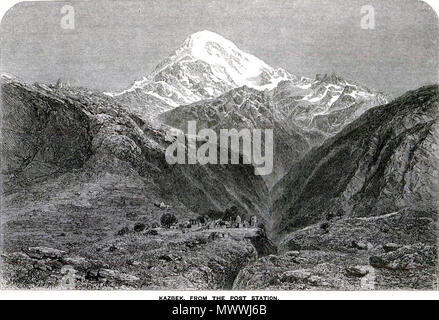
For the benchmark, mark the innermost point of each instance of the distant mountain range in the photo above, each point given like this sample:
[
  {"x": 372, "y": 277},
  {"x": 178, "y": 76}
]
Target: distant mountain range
[{"x": 207, "y": 66}]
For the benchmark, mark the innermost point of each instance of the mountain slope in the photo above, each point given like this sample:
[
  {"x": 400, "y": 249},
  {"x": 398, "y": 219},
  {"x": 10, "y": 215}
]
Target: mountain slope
[
  {"x": 75, "y": 152},
  {"x": 382, "y": 163}
]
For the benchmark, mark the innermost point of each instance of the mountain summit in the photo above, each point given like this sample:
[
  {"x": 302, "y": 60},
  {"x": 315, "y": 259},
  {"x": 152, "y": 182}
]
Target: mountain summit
[
  {"x": 230, "y": 63},
  {"x": 206, "y": 66}
]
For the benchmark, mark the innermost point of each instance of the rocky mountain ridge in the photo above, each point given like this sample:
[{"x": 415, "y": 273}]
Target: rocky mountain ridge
[{"x": 303, "y": 114}]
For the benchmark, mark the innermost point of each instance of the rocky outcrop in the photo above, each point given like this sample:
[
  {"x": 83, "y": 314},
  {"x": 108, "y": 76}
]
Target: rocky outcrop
[
  {"x": 42, "y": 135},
  {"x": 411, "y": 267},
  {"x": 304, "y": 270}
]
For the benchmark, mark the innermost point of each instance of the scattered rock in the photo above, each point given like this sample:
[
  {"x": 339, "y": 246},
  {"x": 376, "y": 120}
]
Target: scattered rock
[
  {"x": 131, "y": 215},
  {"x": 292, "y": 254},
  {"x": 165, "y": 258},
  {"x": 325, "y": 226},
  {"x": 418, "y": 256},
  {"x": 359, "y": 245},
  {"x": 76, "y": 261},
  {"x": 377, "y": 262},
  {"x": 161, "y": 205},
  {"x": 116, "y": 275},
  {"x": 152, "y": 232},
  {"x": 213, "y": 236},
  {"x": 92, "y": 275},
  {"x": 45, "y": 253},
  {"x": 43, "y": 266},
  {"x": 296, "y": 275},
  {"x": 317, "y": 281},
  {"x": 357, "y": 271},
  {"x": 16, "y": 256},
  {"x": 218, "y": 235},
  {"x": 123, "y": 231},
  {"x": 139, "y": 227},
  {"x": 390, "y": 247},
  {"x": 273, "y": 258}
]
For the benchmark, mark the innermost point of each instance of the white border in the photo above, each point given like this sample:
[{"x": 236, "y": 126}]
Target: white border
[{"x": 5, "y": 5}]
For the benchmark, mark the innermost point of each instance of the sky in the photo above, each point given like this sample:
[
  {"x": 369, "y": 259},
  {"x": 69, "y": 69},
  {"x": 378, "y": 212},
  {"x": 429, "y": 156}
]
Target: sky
[{"x": 115, "y": 43}]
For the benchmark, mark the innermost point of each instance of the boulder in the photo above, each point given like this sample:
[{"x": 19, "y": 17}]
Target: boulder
[
  {"x": 45, "y": 253},
  {"x": 116, "y": 275},
  {"x": 123, "y": 231},
  {"x": 390, "y": 247},
  {"x": 139, "y": 227},
  {"x": 165, "y": 258},
  {"x": 296, "y": 275},
  {"x": 292, "y": 254},
  {"x": 76, "y": 261},
  {"x": 359, "y": 245},
  {"x": 417, "y": 256},
  {"x": 377, "y": 262},
  {"x": 152, "y": 232},
  {"x": 357, "y": 271}
]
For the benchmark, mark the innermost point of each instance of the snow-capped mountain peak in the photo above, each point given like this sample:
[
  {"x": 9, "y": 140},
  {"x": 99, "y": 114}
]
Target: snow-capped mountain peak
[
  {"x": 206, "y": 66},
  {"x": 226, "y": 58}
]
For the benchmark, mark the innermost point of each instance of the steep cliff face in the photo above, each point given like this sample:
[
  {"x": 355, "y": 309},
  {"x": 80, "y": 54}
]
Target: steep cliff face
[
  {"x": 42, "y": 135},
  {"x": 382, "y": 163}
]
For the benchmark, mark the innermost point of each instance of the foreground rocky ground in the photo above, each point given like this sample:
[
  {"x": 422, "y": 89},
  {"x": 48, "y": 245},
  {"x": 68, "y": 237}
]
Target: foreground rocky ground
[
  {"x": 352, "y": 254},
  {"x": 151, "y": 260},
  {"x": 403, "y": 268}
]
